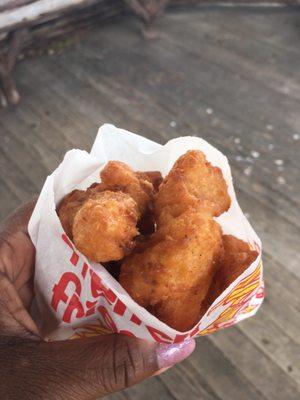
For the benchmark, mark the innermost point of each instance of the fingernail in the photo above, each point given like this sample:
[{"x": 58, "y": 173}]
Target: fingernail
[{"x": 170, "y": 354}]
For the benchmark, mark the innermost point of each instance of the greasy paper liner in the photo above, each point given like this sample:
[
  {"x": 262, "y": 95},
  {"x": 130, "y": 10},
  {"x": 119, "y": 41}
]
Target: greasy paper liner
[{"x": 76, "y": 298}]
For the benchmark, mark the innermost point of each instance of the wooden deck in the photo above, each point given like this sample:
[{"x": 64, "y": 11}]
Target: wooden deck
[{"x": 230, "y": 76}]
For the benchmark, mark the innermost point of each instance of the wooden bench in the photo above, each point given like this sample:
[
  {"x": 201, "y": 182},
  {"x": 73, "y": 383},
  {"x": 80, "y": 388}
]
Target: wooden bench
[{"x": 26, "y": 23}]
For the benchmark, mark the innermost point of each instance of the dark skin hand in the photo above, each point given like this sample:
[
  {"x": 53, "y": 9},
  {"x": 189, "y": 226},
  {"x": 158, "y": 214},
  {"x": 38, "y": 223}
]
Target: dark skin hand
[{"x": 84, "y": 369}]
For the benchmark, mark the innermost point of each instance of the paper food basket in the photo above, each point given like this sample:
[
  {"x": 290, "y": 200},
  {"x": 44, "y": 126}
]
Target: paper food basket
[{"x": 76, "y": 298}]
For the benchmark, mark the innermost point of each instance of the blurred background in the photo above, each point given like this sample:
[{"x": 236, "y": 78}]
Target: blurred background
[{"x": 226, "y": 72}]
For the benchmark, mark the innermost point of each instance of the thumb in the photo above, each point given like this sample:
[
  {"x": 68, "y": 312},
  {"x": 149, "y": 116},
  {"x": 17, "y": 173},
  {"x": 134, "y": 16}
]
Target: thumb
[{"x": 88, "y": 368}]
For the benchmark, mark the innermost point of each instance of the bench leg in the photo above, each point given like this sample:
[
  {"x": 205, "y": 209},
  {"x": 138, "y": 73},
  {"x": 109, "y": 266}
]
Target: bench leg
[
  {"x": 9, "y": 94},
  {"x": 148, "y": 11}
]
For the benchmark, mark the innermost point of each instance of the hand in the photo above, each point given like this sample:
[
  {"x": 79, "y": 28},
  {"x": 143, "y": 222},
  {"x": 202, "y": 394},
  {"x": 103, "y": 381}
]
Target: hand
[{"x": 76, "y": 369}]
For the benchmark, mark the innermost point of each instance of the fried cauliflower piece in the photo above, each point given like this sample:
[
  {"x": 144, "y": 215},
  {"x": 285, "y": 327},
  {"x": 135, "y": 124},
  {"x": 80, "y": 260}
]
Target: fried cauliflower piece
[
  {"x": 68, "y": 208},
  {"x": 71, "y": 203},
  {"x": 170, "y": 274},
  {"x": 105, "y": 225},
  {"x": 141, "y": 186},
  {"x": 133, "y": 200},
  {"x": 118, "y": 176},
  {"x": 192, "y": 180},
  {"x": 236, "y": 257}
]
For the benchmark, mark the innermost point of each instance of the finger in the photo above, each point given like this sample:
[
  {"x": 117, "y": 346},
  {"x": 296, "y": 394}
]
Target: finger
[
  {"x": 98, "y": 366},
  {"x": 17, "y": 252},
  {"x": 14, "y": 318},
  {"x": 26, "y": 292},
  {"x": 16, "y": 271}
]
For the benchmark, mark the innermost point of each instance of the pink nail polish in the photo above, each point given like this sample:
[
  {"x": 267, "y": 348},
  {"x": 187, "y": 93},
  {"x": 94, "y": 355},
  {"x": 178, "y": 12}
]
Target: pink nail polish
[{"x": 170, "y": 354}]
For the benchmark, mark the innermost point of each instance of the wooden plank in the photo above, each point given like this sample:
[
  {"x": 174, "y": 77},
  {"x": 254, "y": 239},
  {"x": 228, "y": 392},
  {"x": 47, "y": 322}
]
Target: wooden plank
[
  {"x": 38, "y": 124},
  {"x": 18, "y": 183},
  {"x": 22, "y": 153},
  {"x": 50, "y": 140},
  {"x": 194, "y": 69},
  {"x": 71, "y": 122},
  {"x": 165, "y": 387},
  {"x": 283, "y": 37},
  {"x": 283, "y": 313},
  {"x": 205, "y": 375},
  {"x": 157, "y": 388},
  {"x": 96, "y": 102},
  {"x": 236, "y": 116},
  {"x": 265, "y": 375},
  {"x": 278, "y": 236},
  {"x": 232, "y": 53},
  {"x": 193, "y": 385},
  {"x": 149, "y": 89},
  {"x": 282, "y": 301},
  {"x": 274, "y": 342},
  {"x": 9, "y": 201},
  {"x": 226, "y": 379},
  {"x": 276, "y": 79},
  {"x": 282, "y": 281}
]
